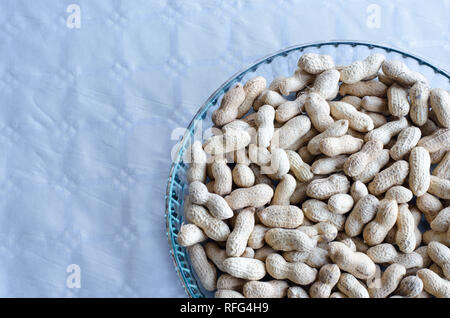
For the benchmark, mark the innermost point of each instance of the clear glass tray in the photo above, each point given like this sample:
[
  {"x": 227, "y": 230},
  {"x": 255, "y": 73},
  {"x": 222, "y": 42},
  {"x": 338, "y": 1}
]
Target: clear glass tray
[{"x": 281, "y": 63}]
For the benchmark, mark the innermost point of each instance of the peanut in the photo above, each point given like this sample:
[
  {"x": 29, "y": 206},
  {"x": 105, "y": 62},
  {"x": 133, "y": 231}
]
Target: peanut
[
  {"x": 290, "y": 109},
  {"x": 223, "y": 179},
  {"x": 363, "y": 212},
  {"x": 389, "y": 281},
  {"x": 190, "y": 234},
  {"x": 299, "y": 194},
  {"x": 360, "y": 70},
  {"x": 375, "y": 104},
  {"x": 327, "y": 279},
  {"x": 441, "y": 222},
  {"x": 442, "y": 170},
  {"x": 319, "y": 112},
  {"x": 386, "y": 253},
  {"x": 270, "y": 289},
  {"x": 385, "y": 79},
  {"x": 357, "y": 162},
  {"x": 439, "y": 187},
  {"x": 355, "y": 133},
  {"x": 406, "y": 141},
  {"x": 410, "y": 287},
  {"x": 352, "y": 100},
  {"x": 297, "y": 292},
  {"x": 300, "y": 169},
  {"x": 245, "y": 268},
  {"x": 322, "y": 232},
  {"x": 429, "y": 127},
  {"x": 387, "y": 131},
  {"x": 340, "y": 203},
  {"x": 441, "y": 237},
  {"x": 399, "y": 72},
  {"x": 337, "y": 129},
  {"x": 439, "y": 140},
  {"x": 356, "y": 119},
  {"x": 334, "y": 146},
  {"x": 394, "y": 175},
  {"x": 224, "y": 293},
  {"x": 315, "y": 258},
  {"x": 229, "y": 282},
  {"x": 285, "y": 216},
  {"x": 429, "y": 205},
  {"x": 306, "y": 138},
  {"x": 437, "y": 156},
  {"x": 306, "y": 155},
  {"x": 298, "y": 273},
  {"x": 434, "y": 284},
  {"x": 440, "y": 103},
  {"x": 419, "y": 174},
  {"x": 317, "y": 211},
  {"x": 356, "y": 263},
  {"x": 268, "y": 97},
  {"x": 359, "y": 244},
  {"x": 229, "y": 106},
  {"x": 295, "y": 83},
  {"x": 288, "y": 136},
  {"x": 351, "y": 287},
  {"x": 205, "y": 270},
  {"x": 399, "y": 194},
  {"x": 242, "y": 176},
  {"x": 325, "y": 188},
  {"x": 398, "y": 100},
  {"x": 284, "y": 190},
  {"x": 264, "y": 122},
  {"x": 326, "y": 84},
  {"x": 256, "y": 238},
  {"x": 435, "y": 268},
  {"x": 197, "y": 167},
  {"x": 289, "y": 240},
  {"x": 275, "y": 84},
  {"x": 377, "y": 119},
  {"x": 255, "y": 196},
  {"x": 252, "y": 89},
  {"x": 313, "y": 63},
  {"x": 440, "y": 254},
  {"x": 214, "y": 228},
  {"x": 329, "y": 165},
  {"x": 263, "y": 252},
  {"x": 364, "y": 88},
  {"x": 375, "y": 232},
  {"x": 358, "y": 190},
  {"x": 419, "y": 95},
  {"x": 217, "y": 206},
  {"x": 405, "y": 236},
  {"x": 217, "y": 255},
  {"x": 231, "y": 140},
  {"x": 243, "y": 227},
  {"x": 279, "y": 164}
]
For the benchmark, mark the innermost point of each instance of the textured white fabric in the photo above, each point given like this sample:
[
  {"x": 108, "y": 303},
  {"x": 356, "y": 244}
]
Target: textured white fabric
[{"x": 87, "y": 114}]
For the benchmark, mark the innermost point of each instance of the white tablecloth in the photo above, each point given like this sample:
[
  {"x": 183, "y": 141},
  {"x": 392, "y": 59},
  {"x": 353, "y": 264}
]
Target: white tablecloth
[{"x": 87, "y": 114}]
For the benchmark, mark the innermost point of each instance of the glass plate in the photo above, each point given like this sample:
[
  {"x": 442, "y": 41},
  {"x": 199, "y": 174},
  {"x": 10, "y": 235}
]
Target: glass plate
[{"x": 281, "y": 63}]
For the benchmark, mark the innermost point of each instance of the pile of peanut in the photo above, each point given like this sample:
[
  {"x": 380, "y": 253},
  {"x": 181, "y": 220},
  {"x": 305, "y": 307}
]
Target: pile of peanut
[{"x": 319, "y": 191}]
